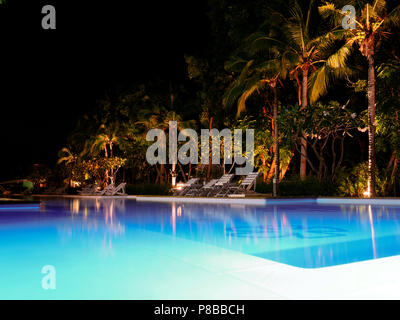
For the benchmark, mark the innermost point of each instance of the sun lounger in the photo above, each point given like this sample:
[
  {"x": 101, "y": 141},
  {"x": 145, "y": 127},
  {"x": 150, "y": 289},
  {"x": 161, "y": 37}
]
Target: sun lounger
[
  {"x": 117, "y": 191},
  {"x": 104, "y": 192},
  {"x": 247, "y": 183},
  {"x": 220, "y": 185},
  {"x": 192, "y": 183},
  {"x": 204, "y": 190},
  {"x": 89, "y": 190}
]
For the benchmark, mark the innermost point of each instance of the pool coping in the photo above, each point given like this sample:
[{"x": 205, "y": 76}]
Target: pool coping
[{"x": 270, "y": 201}]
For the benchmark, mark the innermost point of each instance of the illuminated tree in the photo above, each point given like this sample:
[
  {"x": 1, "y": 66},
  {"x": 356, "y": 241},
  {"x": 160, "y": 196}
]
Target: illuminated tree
[{"x": 371, "y": 22}]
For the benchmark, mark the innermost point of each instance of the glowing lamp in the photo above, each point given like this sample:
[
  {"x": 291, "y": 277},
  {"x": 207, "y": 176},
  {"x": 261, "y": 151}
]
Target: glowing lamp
[
  {"x": 173, "y": 179},
  {"x": 179, "y": 186},
  {"x": 367, "y": 193}
]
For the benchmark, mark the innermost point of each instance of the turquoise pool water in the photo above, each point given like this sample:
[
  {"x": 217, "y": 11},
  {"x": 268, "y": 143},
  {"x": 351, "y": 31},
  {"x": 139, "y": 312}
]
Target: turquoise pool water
[{"x": 120, "y": 248}]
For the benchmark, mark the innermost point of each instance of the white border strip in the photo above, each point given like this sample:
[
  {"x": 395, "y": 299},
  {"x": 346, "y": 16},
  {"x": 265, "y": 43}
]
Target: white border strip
[
  {"x": 392, "y": 202},
  {"x": 258, "y": 202},
  {"x": 262, "y": 202}
]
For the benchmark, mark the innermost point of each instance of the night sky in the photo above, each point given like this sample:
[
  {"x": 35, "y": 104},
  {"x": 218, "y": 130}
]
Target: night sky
[{"x": 50, "y": 77}]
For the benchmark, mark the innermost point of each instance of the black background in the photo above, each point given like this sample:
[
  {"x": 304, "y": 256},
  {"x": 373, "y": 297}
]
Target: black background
[
  {"x": 253, "y": 309},
  {"x": 50, "y": 77}
]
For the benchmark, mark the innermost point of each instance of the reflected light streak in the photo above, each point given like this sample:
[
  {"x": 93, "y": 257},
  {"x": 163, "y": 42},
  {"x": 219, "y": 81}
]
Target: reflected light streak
[
  {"x": 75, "y": 206},
  {"x": 265, "y": 231},
  {"x": 109, "y": 214},
  {"x": 173, "y": 218},
  {"x": 179, "y": 211},
  {"x": 371, "y": 222},
  {"x": 275, "y": 226},
  {"x": 285, "y": 224},
  {"x": 97, "y": 205},
  {"x": 224, "y": 230}
]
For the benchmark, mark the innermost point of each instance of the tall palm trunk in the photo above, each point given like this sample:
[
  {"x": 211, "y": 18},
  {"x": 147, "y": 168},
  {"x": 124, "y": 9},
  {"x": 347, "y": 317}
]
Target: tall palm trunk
[
  {"x": 106, "y": 155},
  {"x": 162, "y": 173},
  {"x": 271, "y": 172},
  {"x": 286, "y": 166},
  {"x": 303, "y": 159},
  {"x": 210, "y": 156},
  {"x": 112, "y": 178},
  {"x": 275, "y": 184},
  {"x": 371, "y": 126}
]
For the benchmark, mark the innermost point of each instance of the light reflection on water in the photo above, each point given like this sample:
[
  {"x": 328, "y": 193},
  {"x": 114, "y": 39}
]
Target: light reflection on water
[
  {"x": 121, "y": 248},
  {"x": 305, "y": 235}
]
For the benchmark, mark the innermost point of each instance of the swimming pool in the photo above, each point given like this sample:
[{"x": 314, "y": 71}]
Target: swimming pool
[{"x": 122, "y": 248}]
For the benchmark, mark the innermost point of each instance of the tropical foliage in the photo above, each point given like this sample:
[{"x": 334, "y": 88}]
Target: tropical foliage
[{"x": 323, "y": 100}]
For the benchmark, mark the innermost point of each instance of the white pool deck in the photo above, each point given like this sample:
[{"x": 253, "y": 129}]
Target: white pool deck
[
  {"x": 224, "y": 274},
  {"x": 216, "y": 273}
]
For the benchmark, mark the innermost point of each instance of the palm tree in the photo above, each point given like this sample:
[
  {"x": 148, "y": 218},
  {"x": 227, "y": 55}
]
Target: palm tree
[
  {"x": 67, "y": 157},
  {"x": 104, "y": 140},
  {"x": 159, "y": 117},
  {"x": 300, "y": 51},
  {"x": 370, "y": 25},
  {"x": 255, "y": 75},
  {"x": 309, "y": 53}
]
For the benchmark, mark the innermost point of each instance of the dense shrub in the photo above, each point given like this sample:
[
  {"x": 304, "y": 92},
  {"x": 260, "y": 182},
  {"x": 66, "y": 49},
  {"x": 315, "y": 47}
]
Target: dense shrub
[
  {"x": 297, "y": 188},
  {"x": 148, "y": 189},
  {"x": 353, "y": 183}
]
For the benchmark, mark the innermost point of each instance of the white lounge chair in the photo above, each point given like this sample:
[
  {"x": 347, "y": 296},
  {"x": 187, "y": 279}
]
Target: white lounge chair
[
  {"x": 89, "y": 190},
  {"x": 192, "y": 183},
  {"x": 204, "y": 190},
  {"x": 221, "y": 185},
  {"x": 107, "y": 189},
  {"x": 244, "y": 187},
  {"x": 117, "y": 191}
]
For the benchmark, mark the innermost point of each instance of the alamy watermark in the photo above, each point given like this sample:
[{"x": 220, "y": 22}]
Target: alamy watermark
[
  {"x": 49, "y": 20},
  {"x": 157, "y": 152},
  {"x": 349, "y": 20},
  {"x": 49, "y": 280}
]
